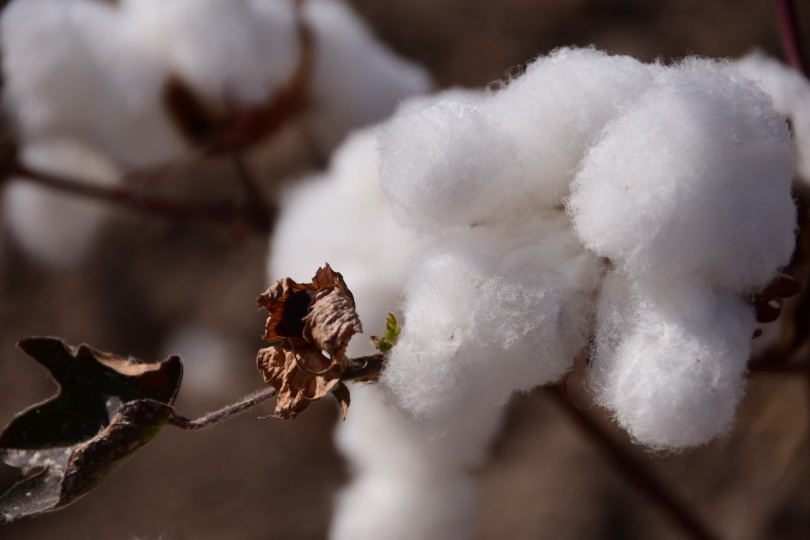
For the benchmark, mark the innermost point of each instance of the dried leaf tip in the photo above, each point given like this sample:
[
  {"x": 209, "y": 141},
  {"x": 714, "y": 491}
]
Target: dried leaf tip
[
  {"x": 106, "y": 409},
  {"x": 309, "y": 326}
]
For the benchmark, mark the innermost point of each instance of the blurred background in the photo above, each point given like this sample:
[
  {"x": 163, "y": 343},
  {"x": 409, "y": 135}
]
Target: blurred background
[{"x": 151, "y": 286}]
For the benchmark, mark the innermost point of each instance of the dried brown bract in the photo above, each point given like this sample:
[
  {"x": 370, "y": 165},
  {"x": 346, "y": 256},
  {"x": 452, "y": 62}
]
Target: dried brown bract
[{"x": 309, "y": 326}]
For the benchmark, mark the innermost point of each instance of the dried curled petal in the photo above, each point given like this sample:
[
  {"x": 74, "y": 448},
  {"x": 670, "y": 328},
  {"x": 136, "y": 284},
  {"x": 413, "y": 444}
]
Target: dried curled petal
[{"x": 309, "y": 326}]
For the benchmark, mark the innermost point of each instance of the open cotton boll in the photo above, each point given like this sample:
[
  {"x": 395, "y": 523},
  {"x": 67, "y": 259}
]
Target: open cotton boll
[
  {"x": 485, "y": 316},
  {"x": 675, "y": 376},
  {"x": 447, "y": 163},
  {"x": 342, "y": 217},
  {"x": 57, "y": 227},
  {"x": 790, "y": 91},
  {"x": 357, "y": 80},
  {"x": 693, "y": 178},
  {"x": 407, "y": 485},
  {"x": 76, "y": 69},
  {"x": 557, "y": 109}
]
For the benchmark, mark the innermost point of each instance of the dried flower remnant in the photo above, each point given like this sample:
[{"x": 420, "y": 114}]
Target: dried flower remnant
[{"x": 309, "y": 327}]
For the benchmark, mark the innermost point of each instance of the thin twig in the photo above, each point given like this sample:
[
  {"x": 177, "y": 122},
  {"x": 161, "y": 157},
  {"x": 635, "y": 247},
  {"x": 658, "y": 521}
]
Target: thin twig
[
  {"x": 220, "y": 215},
  {"x": 759, "y": 368},
  {"x": 636, "y": 472},
  {"x": 791, "y": 34},
  {"x": 224, "y": 413},
  {"x": 257, "y": 209}
]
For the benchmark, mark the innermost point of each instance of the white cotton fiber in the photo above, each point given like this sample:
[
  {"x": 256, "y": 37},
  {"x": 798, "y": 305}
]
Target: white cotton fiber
[
  {"x": 557, "y": 109},
  {"x": 694, "y": 178},
  {"x": 446, "y": 164},
  {"x": 669, "y": 363},
  {"x": 56, "y": 227},
  {"x": 469, "y": 157},
  {"x": 407, "y": 485},
  {"x": 356, "y": 80},
  {"x": 96, "y": 71},
  {"x": 375, "y": 507},
  {"x": 77, "y": 69},
  {"x": 790, "y": 91},
  {"x": 487, "y": 314}
]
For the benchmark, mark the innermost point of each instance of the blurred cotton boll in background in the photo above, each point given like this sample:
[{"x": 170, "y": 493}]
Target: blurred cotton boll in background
[
  {"x": 99, "y": 74},
  {"x": 99, "y": 70},
  {"x": 53, "y": 226}
]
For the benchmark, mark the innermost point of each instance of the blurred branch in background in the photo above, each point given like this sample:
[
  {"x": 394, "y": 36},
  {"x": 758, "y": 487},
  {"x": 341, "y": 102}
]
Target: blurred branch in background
[{"x": 791, "y": 34}]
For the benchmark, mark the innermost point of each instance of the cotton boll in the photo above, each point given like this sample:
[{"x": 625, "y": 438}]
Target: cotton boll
[
  {"x": 447, "y": 164},
  {"x": 669, "y": 362},
  {"x": 694, "y": 178},
  {"x": 790, "y": 91},
  {"x": 76, "y": 69},
  {"x": 343, "y": 218},
  {"x": 376, "y": 507},
  {"x": 57, "y": 227},
  {"x": 485, "y": 317},
  {"x": 557, "y": 109},
  {"x": 356, "y": 79},
  {"x": 407, "y": 485}
]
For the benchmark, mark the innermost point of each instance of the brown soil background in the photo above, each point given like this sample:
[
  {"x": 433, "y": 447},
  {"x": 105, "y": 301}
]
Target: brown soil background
[{"x": 250, "y": 479}]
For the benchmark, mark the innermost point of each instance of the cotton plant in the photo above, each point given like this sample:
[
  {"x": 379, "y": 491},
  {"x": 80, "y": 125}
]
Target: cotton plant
[
  {"x": 594, "y": 204},
  {"x": 109, "y": 76}
]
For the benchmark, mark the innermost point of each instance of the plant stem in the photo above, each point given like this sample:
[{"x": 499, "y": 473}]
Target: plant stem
[
  {"x": 791, "y": 34},
  {"x": 220, "y": 215},
  {"x": 224, "y": 413},
  {"x": 257, "y": 211},
  {"x": 636, "y": 472}
]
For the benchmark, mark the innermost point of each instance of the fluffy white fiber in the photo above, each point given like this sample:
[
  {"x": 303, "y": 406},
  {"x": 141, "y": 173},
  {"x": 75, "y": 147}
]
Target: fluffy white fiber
[
  {"x": 688, "y": 194},
  {"x": 92, "y": 70},
  {"x": 593, "y": 196},
  {"x": 694, "y": 178},
  {"x": 55, "y": 227},
  {"x": 678, "y": 175},
  {"x": 790, "y": 91},
  {"x": 487, "y": 314},
  {"x": 405, "y": 485}
]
